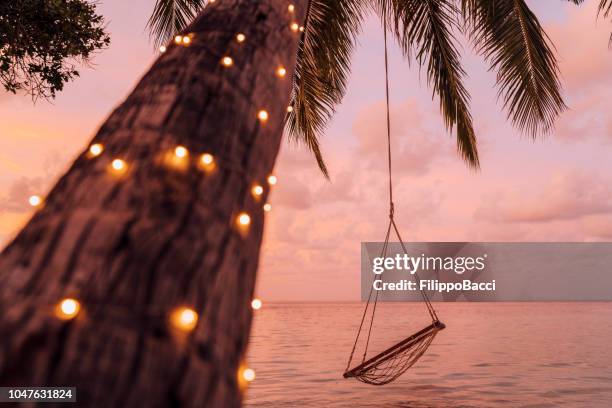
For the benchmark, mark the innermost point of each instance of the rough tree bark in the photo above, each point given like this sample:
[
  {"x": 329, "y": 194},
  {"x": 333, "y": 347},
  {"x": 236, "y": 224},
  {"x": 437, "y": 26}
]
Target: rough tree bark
[{"x": 132, "y": 248}]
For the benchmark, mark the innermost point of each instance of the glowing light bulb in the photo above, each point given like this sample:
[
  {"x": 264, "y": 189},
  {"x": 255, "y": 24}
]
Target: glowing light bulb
[
  {"x": 67, "y": 309},
  {"x": 96, "y": 149},
  {"x": 34, "y": 200},
  {"x": 178, "y": 39},
  {"x": 289, "y": 108},
  {"x": 207, "y": 158},
  {"x": 181, "y": 152},
  {"x": 240, "y": 37},
  {"x": 227, "y": 61},
  {"x": 186, "y": 40},
  {"x": 184, "y": 318},
  {"x": 267, "y": 207},
  {"x": 248, "y": 374},
  {"x": 295, "y": 27},
  {"x": 256, "y": 304},
  {"x": 207, "y": 162},
  {"x": 272, "y": 179},
  {"x": 244, "y": 376},
  {"x": 281, "y": 71},
  {"x": 291, "y": 8},
  {"x": 257, "y": 190},
  {"x": 162, "y": 49},
  {"x": 118, "y": 165},
  {"x": 262, "y": 115},
  {"x": 301, "y": 28},
  {"x": 244, "y": 219}
]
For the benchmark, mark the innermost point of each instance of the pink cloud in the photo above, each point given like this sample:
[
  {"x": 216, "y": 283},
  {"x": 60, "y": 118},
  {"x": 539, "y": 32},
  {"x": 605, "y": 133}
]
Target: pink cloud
[
  {"x": 578, "y": 40},
  {"x": 567, "y": 196},
  {"x": 415, "y": 145},
  {"x": 585, "y": 61},
  {"x": 16, "y": 199}
]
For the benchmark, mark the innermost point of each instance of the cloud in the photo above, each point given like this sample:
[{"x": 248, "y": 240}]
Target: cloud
[
  {"x": 568, "y": 196},
  {"x": 293, "y": 194},
  {"x": 16, "y": 198},
  {"x": 585, "y": 63},
  {"x": 582, "y": 45},
  {"x": 416, "y": 147}
]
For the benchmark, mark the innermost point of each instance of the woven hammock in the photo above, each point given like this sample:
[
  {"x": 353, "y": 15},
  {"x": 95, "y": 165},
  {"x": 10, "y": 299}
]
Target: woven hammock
[{"x": 389, "y": 364}]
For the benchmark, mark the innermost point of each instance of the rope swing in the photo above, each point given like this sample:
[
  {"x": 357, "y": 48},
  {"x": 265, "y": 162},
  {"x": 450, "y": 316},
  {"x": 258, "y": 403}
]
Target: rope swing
[{"x": 389, "y": 364}]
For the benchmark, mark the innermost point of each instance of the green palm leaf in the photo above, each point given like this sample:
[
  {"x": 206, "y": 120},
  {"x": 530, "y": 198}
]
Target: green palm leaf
[
  {"x": 171, "y": 16},
  {"x": 605, "y": 9},
  {"x": 510, "y": 37},
  {"x": 425, "y": 27},
  {"x": 322, "y": 69}
]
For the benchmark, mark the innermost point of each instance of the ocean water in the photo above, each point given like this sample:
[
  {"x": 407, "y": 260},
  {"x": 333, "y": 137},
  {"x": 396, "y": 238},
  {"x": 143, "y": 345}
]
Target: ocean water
[{"x": 490, "y": 354}]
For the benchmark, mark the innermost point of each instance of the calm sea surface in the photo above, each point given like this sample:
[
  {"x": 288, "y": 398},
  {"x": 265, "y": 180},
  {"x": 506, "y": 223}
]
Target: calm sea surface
[{"x": 493, "y": 354}]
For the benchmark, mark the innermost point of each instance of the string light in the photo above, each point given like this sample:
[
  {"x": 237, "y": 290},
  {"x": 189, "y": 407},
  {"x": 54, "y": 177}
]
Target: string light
[
  {"x": 244, "y": 375},
  {"x": 96, "y": 149},
  {"x": 184, "y": 319},
  {"x": 181, "y": 152},
  {"x": 67, "y": 309},
  {"x": 244, "y": 220},
  {"x": 291, "y": 8},
  {"x": 227, "y": 61},
  {"x": 256, "y": 304},
  {"x": 301, "y": 28},
  {"x": 34, "y": 200},
  {"x": 248, "y": 374},
  {"x": 207, "y": 162},
  {"x": 118, "y": 165},
  {"x": 262, "y": 115},
  {"x": 257, "y": 190}
]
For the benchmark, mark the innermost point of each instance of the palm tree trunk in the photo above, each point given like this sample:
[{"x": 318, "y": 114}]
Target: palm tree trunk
[{"x": 132, "y": 247}]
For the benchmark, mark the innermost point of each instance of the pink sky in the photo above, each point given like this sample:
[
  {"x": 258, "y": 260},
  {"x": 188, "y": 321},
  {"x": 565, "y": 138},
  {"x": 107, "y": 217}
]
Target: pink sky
[{"x": 555, "y": 189}]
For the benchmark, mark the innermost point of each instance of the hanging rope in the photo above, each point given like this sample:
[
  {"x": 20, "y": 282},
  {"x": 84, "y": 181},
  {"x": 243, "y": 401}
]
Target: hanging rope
[
  {"x": 391, "y": 363},
  {"x": 391, "y": 209}
]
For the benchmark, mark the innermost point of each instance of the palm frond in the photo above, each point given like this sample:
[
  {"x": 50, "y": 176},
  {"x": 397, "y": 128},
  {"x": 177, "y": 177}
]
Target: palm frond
[
  {"x": 322, "y": 69},
  {"x": 605, "y": 9},
  {"x": 426, "y": 27},
  {"x": 170, "y": 17},
  {"x": 511, "y": 38}
]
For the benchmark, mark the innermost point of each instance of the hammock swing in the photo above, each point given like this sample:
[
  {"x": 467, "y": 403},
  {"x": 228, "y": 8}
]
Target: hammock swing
[{"x": 389, "y": 364}]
